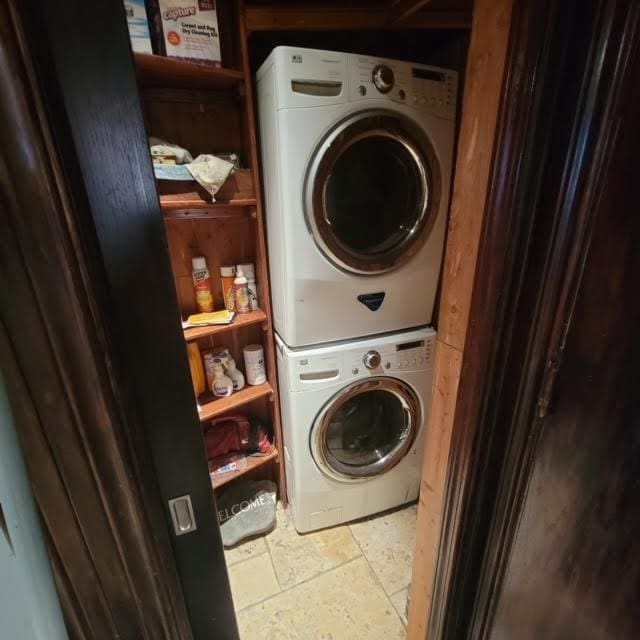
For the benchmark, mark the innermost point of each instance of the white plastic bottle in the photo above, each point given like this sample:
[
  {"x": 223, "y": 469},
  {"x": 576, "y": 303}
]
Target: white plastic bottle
[
  {"x": 254, "y": 364},
  {"x": 250, "y": 275},
  {"x": 222, "y": 385},
  {"x": 236, "y": 376},
  {"x": 241, "y": 292}
]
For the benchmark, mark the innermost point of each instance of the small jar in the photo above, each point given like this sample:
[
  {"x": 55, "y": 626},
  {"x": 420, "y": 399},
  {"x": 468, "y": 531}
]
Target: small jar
[{"x": 254, "y": 364}]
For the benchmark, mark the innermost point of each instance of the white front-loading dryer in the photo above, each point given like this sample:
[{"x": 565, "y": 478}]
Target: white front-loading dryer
[
  {"x": 354, "y": 422},
  {"x": 356, "y": 161}
]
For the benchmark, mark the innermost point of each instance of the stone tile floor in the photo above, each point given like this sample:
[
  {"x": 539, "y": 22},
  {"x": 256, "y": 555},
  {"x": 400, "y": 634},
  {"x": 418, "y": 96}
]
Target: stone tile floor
[{"x": 345, "y": 583}]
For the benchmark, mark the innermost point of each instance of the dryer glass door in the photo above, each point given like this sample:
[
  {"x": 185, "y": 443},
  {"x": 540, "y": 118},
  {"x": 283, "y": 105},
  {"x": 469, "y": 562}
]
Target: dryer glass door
[
  {"x": 372, "y": 192},
  {"x": 366, "y": 429}
]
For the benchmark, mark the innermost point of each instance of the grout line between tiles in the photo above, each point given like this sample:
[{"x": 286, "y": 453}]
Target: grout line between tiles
[
  {"x": 321, "y": 573},
  {"x": 378, "y": 581},
  {"x": 317, "y": 575}
]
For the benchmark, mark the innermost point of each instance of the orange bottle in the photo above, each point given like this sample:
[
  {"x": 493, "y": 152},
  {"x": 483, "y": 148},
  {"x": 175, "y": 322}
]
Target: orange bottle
[
  {"x": 228, "y": 275},
  {"x": 202, "y": 284}
]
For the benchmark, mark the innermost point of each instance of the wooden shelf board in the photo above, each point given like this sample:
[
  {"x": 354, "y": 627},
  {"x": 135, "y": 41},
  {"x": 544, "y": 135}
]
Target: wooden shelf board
[
  {"x": 253, "y": 462},
  {"x": 213, "y": 408},
  {"x": 241, "y": 320},
  {"x": 161, "y": 71},
  {"x": 178, "y": 207}
]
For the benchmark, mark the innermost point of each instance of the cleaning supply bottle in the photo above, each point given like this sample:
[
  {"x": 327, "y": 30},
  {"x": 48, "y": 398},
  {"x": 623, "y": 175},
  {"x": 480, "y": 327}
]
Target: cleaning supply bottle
[
  {"x": 222, "y": 385},
  {"x": 202, "y": 284},
  {"x": 250, "y": 275},
  {"x": 227, "y": 276},
  {"x": 241, "y": 293},
  {"x": 236, "y": 376}
]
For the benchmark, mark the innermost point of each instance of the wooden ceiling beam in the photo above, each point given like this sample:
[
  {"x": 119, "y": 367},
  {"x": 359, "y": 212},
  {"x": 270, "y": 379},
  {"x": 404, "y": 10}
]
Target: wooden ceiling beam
[
  {"x": 401, "y": 10},
  {"x": 286, "y": 18}
]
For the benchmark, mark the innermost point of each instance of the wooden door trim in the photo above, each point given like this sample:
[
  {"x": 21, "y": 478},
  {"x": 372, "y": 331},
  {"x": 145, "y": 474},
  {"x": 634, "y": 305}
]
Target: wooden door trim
[
  {"x": 100, "y": 507},
  {"x": 482, "y": 96},
  {"x": 534, "y": 243}
]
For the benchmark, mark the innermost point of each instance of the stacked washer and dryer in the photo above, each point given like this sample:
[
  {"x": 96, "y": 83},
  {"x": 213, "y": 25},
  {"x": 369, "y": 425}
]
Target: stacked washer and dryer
[{"x": 356, "y": 158}]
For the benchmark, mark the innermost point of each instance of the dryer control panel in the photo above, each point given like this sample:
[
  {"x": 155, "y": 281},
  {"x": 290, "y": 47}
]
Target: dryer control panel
[
  {"x": 315, "y": 367},
  {"x": 419, "y": 86}
]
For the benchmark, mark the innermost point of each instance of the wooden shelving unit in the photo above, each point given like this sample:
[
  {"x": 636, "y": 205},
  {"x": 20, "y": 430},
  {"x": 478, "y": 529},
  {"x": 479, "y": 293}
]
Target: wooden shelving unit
[
  {"x": 253, "y": 463},
  {"x": 172, "y": 205},
  {"x": 208, "y": 109},
  {"x": 160, "y": 71},
  {"x": 240, "y": 321},
  {"x": 218, "y": 406}
]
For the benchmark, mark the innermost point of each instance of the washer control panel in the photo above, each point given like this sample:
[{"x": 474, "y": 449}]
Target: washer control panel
[
  {"x": 413, "y": 355},
  {"x": 387, "y": 359},
  {"x": 418, "y": 86},
  {"x": 390, "y": 355}
]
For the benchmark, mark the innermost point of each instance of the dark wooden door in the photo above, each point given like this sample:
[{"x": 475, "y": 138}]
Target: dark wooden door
[
  {"x": 542, "y": 520},
  {"x": 90, "y": 335},
  {"x": 574, "y": 567}
]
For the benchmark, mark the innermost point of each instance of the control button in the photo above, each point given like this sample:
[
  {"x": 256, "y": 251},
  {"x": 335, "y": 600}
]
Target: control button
[
  {"x": 382, "y": 77},
  {"x": 402, "y": 94},
  {"x": 406, "y": 363},
  {"x": 355, "y": 370},
  {"x": 362, "y": 90},
  {"x": 415, "y": 99},
  {"x": 423, "y": 100},
  {"x": 371, "y": 359},
  {"x": 432, "y": 100},
  {"x": 387, "y": 365}
]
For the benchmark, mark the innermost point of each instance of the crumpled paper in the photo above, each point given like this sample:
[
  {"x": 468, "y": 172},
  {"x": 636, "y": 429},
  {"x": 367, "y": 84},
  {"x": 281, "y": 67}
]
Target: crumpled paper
[{"x": 210, "y": 172}]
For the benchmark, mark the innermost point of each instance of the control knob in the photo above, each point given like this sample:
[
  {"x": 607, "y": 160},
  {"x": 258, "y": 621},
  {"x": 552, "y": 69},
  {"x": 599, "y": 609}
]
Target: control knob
[
  {"x": 382, "y": 77},
  {"x": 372, "y": 360}
]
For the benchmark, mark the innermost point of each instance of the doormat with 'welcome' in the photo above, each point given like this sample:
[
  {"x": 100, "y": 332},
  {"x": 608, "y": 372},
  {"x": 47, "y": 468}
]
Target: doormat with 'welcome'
[{"x": 246, "y": 509}]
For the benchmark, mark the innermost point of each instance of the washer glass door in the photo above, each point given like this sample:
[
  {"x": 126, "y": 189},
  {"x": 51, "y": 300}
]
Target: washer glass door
[
  {"x": 366, "y": 428},
  {"x": 372, "y": 192}
]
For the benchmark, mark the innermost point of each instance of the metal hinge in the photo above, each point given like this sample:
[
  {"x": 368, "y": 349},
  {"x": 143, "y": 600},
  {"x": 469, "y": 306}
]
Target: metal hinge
[{"x": 548, "y": 384}]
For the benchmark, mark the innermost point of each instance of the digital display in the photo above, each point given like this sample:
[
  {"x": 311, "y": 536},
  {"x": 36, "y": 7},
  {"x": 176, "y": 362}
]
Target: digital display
[
  {"x": 427, "y": 74},
  {"x": 410, "y": 345}
]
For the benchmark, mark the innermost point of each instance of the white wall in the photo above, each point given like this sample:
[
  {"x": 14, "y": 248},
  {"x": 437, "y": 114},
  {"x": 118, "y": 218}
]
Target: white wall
[{"x": 29, "y": 607}]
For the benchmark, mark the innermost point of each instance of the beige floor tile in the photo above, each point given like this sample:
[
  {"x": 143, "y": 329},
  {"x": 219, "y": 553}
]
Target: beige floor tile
[
  {"x": 299, "y": 557},
  {"x": 399, "y": 601},
  {"x": 245, "y": 550},
  {"x": 252, "y": 580},
  {"x": 345, "y": 603},
  {"x": 387, "y": 541}
]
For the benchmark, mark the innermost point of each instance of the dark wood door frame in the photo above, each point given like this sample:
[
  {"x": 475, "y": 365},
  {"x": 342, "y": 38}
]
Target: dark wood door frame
[
  {"x": 76, "y": 226},
  {"x": 566, "y": 65},
  {"x": 90, "y": 340}
]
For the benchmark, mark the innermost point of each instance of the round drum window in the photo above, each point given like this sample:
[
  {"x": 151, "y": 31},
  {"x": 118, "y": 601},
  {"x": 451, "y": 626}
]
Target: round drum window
[
  {"x": 375, "y": 195},
  {"x": 372, "y": 192},
  {"x": 366, "y": 429}
]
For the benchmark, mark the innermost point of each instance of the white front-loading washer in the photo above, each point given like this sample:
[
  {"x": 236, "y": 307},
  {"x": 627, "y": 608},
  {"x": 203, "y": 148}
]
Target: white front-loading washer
[
  {"x": 356, "y": 160},
  {"x": 354, "y": 422}
]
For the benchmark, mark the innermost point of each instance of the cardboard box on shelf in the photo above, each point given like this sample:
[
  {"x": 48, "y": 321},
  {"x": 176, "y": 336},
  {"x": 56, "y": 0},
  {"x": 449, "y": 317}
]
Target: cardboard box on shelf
[
  {"x": 138, "y": 26},
  {"x": 190, "y": 30}
]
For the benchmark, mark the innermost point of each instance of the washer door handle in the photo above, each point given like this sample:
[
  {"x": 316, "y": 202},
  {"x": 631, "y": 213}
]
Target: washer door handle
[{"x": 406, "y": 431}]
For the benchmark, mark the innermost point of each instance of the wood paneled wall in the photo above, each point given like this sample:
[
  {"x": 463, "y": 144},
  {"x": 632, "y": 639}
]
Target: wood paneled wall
[{"x": 482, "y": 97}]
